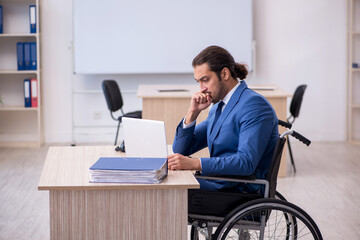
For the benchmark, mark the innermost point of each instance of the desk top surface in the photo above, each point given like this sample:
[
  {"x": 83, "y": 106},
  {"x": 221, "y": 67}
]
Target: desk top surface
[
  {"x": 67, "y": 168},
  {"x": 186, "y": 91}
]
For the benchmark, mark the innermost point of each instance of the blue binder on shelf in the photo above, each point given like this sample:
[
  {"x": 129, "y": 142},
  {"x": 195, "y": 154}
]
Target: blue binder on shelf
[
  {"x": 1, "y": 19},
  {"x": 32, "y": 18},
  {"x": 33, "y": 59},
  {"x": 27, "y": 93},
  {"x": 27, "y": 59},
  {"x": 20, "y": 55}
]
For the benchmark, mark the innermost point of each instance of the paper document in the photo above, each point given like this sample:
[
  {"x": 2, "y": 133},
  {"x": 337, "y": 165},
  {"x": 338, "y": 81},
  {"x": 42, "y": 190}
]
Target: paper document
[{"x": 128, "y": 170}]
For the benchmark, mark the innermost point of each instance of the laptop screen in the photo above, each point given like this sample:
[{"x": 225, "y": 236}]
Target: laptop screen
[{"x": 144, "y": 138}]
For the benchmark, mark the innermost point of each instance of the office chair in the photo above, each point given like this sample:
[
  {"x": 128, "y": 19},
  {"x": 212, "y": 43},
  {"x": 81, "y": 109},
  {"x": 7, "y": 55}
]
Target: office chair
[
  {"x": 115, "y": 102},
  {"x": 294, "y": 111}
]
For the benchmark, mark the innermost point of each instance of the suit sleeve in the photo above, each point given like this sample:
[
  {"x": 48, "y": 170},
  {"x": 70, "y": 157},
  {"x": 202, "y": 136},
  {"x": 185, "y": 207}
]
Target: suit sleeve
[
  {"x": 190, "y": 140},
  {"x": 256, "y": 128}
]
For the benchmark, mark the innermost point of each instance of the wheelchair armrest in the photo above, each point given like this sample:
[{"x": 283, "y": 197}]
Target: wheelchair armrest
[
  {"x": 230, "y": 177},
  {"x": 239, "y": 179}
]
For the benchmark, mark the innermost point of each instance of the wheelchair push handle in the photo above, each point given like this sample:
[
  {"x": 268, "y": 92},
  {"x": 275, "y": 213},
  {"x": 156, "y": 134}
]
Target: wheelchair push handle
[
  {"x": 296, "y": 135},
  {"x": 301, "y": 138}
]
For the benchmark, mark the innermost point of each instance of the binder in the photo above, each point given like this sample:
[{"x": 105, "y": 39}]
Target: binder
[
  {"x": 27, "y": 65},
  {"x": 32, "y": 18},
  {"x": 33, "y": 59},
  {"x": 129, "y": 170},
  {"x": 20, "y": 55},
  {"x": 1, "y": 19},
  {"x": 27, "y": 93},
  {"x": 34, "y": 92}
]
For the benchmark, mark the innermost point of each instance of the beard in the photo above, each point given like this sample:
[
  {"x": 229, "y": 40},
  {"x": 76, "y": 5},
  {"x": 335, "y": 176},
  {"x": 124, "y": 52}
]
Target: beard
[{"x": 220, "y": 93}]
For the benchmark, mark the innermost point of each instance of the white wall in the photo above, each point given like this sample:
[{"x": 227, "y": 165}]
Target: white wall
[
  {"x": 305, "y": 42},
  {"x": 297, "y": 42}
]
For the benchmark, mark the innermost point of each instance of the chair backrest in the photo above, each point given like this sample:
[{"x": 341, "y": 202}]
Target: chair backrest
[
  {"x": 274, "y": 166},
  {"x": 297, "y": 100},
  {"x": 112, "y": 95}
]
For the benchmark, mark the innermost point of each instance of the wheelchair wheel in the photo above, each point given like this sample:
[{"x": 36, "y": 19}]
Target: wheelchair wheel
[
  {"x": 287, "y": 217},
  {"x": 266, "y": 219},
  {"x": 200, "y": 233}
]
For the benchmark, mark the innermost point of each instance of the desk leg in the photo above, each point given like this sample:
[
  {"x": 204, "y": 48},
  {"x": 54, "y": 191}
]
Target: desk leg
[{"x": 119, "y": 214}]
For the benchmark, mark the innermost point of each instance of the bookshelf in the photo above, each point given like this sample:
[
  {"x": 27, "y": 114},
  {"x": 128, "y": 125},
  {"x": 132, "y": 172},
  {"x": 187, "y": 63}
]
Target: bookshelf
[{"x": 19, "y": 126}]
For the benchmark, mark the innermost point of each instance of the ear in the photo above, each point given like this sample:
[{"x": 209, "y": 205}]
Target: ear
[{"x": 225, "y": 73}]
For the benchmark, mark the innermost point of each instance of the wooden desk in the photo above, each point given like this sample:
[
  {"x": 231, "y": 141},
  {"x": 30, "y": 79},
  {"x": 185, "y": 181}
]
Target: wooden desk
[
  {"x": 172, "y": 106},
  {"x": 83, "y": 210}
]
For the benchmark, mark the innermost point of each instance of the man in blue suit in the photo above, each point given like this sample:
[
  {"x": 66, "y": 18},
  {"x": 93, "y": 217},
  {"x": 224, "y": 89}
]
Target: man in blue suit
[{"x": 240, "y": 131}]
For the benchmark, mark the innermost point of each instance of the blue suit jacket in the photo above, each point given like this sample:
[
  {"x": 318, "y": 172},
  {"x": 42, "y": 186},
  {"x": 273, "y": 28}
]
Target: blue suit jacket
[{"x": 241, "y": 143}]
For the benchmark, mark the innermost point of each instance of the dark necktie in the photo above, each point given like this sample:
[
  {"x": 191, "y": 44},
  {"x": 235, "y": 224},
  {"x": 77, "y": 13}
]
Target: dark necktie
[{"x": 217, "y": 114}]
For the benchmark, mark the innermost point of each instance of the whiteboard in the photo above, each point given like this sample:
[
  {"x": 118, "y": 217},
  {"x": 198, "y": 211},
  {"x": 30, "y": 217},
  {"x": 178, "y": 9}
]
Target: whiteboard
[{"x": 157, "y": 36}]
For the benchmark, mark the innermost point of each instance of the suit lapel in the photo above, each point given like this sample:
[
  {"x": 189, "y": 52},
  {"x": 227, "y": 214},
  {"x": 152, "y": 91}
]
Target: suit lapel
[{"x": 227, "y": 110}]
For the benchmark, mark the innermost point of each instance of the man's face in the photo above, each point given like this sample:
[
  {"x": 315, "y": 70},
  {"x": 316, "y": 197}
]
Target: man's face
[{"x": 209, "y": 82}]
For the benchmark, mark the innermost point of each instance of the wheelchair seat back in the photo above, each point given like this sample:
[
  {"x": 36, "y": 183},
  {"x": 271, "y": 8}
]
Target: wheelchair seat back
[{"x": 275, "y": 165}]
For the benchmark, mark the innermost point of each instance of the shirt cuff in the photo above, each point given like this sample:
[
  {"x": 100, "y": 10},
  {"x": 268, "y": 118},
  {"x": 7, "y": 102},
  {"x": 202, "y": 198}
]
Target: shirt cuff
[{"x": 189, "y": 125}]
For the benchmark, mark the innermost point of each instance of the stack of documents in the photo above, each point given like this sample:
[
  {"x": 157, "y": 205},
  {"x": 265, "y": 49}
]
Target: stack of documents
[{"x": 128, "y": 170}]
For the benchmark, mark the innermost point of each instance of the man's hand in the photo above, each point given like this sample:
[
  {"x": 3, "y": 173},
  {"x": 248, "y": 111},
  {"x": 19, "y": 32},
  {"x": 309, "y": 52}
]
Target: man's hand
[
  {"x": 179, "y": 162},
  {"x": 199, "y": 102}
]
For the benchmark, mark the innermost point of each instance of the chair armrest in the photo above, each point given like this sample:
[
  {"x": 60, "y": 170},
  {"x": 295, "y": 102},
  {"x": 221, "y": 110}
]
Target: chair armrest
[
  {"x": 240, "y": 179},
  {"x": 230, "y": 177}
]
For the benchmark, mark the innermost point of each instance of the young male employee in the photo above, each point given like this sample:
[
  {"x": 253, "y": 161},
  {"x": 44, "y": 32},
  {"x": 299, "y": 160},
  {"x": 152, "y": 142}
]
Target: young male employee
[{"x": 240, "y": 131}]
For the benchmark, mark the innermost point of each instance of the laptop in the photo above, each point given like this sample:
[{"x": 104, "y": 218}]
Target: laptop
[{"x": 144, "y": 138}]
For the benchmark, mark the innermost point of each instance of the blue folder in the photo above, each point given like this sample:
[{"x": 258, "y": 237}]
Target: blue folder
[
  {"x": 33, "y": 59},
  {"x": 20, "y": 55},
  {"x": 1, "y": 19},
  {"x": 27, "y": 93},
  {"x": 129, "y": 170},
  {"x": 128, "y": 164},
  {"x": 32, "y": 18},
  {"x": 27, "y": 59}
]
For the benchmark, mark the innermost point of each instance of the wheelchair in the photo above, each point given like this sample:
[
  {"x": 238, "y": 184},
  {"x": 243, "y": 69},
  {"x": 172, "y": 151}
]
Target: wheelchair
[{"x": 242, "y": 216}]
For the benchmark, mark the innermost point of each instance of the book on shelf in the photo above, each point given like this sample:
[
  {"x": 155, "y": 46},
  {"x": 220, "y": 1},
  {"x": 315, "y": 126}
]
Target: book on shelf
[
  {"x": 33, "y": 55},
  {"x": 30, "y": 93},
  {"x": 1, "y": 19},
  {"x": 32, "y": 18},
  {"x": 26, "y": 56},
  {"x": 20, "y": 56},
  {"x": 27, "y": 93},
  {"x": 128, "y": 170},
  {"x": 34, "y": 92}
]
